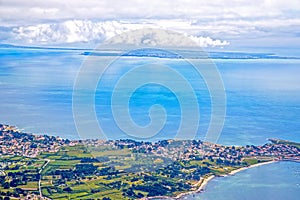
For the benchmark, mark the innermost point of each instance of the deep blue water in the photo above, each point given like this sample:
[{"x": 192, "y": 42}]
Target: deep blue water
[{"x": 263, "y": 95}]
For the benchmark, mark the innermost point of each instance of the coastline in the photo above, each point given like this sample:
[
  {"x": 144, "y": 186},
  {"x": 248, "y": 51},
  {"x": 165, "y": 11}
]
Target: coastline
[
  {"x": 251, "y": 156},
  {"x": 201, "y": 184},
  {"x": 250, "y": 166}
]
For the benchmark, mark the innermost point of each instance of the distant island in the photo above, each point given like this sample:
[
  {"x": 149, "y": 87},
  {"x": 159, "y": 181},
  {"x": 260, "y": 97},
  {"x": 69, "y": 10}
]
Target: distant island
[{"x": 48, "y": 167}]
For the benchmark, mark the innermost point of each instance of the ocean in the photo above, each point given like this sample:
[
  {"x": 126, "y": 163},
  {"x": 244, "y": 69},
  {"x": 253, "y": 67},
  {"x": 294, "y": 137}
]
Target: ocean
[
  {"x": 262, "y": 101},
  {"x": 262, "y": 95}
]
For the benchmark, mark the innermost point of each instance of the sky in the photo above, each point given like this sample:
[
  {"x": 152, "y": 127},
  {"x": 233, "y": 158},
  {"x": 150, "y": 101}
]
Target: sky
[{"x": 218, "y": 23}]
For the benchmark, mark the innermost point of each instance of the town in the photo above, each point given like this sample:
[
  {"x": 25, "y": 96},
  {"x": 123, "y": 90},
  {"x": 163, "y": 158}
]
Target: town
[{"x": 48, "y": 167}]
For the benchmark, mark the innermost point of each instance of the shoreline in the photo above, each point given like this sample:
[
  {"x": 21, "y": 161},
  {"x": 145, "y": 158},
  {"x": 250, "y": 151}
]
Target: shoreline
[
  {"x": 204, "y": 181},
  {"x": 249, "y": 167}
]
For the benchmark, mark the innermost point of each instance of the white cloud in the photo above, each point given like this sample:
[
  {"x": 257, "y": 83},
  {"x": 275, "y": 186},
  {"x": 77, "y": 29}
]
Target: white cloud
[
  {"x": 76, "y": 31},
  {"x": 66, "y": 32},
  {"x": 19, "y": 11},
  {"x": 207, "y": 41},
  {"x": 164, "y": 38},
  {"x": 57, "y": 21}
]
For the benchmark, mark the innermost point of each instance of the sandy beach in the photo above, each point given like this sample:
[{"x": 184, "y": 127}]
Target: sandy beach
[
  {"x": 201, "y": 184},
  {"x": 204, "y": 183},
  {"x": 251, "y": 166}
]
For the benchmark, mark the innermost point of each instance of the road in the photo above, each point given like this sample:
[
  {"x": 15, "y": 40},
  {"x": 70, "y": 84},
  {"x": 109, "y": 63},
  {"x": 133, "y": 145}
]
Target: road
[{"x": 40, "y": 172}]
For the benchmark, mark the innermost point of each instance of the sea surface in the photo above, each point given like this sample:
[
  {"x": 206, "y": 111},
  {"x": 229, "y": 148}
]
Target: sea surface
[
  {"x": 262, "y": 94},
  {"x": 274, "y": 181},
  {"x": 262, "y": 101}
]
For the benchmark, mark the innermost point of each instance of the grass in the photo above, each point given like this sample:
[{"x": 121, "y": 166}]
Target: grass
[
  {"x": 124, "y": 152},
  {"x": 16, "y": 158},
  {"x": 46, "y": 183},
  {"x": 64, "y": 162},
  {"x": 33, "y": 185},
  {"x": 68, "y": 157},
  {"x": 286, "y": 142},
  {"x": 45, "y": 192},
  {"x": 250, "y": 161},
  {"x": 113, "y": 194}
]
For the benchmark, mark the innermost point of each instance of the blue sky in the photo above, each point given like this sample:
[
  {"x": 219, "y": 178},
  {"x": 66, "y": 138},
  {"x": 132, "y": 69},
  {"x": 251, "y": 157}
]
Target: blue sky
[{"x": 218, "y": 23}]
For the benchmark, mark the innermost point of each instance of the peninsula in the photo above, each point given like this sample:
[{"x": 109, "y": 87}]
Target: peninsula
[{"x": 48, "y": 167}]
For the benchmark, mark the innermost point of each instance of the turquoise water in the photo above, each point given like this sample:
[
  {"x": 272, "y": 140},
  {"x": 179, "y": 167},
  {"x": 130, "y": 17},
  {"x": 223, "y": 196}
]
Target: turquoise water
[{"x": 275, "y": 181}]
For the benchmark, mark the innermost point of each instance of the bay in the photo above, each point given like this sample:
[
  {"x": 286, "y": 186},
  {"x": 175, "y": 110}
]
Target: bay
[{"x": 275, "y": 181}]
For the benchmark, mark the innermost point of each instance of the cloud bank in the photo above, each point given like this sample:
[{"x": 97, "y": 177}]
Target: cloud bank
[
  {"x": 210, "y": 23},
  {"x": 86, "y": 31},
  {"x": 19, "y": 11}
]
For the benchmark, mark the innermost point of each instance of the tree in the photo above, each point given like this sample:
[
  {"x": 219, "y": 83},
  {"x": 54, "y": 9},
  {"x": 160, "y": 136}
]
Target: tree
[
  {"x": 67, "y": 189},
  {"x": 6, "y": 185},
  {"x": 140, "y": 195}
]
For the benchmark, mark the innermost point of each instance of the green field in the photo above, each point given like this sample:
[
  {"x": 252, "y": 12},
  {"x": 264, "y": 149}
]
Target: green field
[{"x": 118, "y": 172}]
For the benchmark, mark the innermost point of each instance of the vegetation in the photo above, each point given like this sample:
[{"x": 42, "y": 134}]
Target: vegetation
[
  {"x": 285, "y": 142},
  {"x": 123, "y": 169}
]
